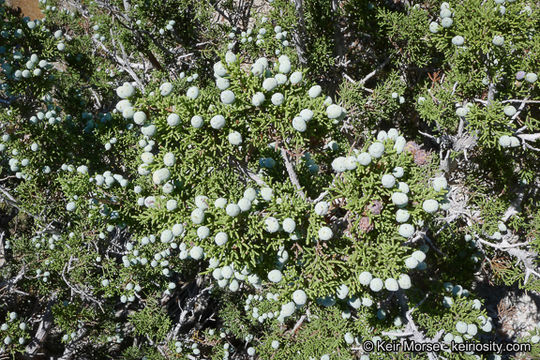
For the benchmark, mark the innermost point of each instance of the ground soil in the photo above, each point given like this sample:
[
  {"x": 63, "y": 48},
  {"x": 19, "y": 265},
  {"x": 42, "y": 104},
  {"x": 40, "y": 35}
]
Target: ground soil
[{"x": 29, "y": 8}]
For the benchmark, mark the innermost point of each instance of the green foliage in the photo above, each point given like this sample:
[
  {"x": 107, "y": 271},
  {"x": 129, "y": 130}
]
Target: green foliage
[
  {"x": 178, "y": 185},
  {"x": 151, "y": 321}
]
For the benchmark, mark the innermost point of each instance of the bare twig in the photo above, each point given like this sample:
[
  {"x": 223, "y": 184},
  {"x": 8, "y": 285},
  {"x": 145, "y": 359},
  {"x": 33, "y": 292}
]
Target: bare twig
[
  {"x": 430, "y": 136},
  {"x": 374, "y": 72},
  {"x": 292, "y": 173},
  {"x": 10, "y": 284},
  {"x": 397, "y": 334},
  {"x": 529, "y": 137},
  {"x": 43, "y": 329},
  {"x": 321, "y": 196},
  {"x": 504, "y": 245},
  {"x": 523, "y": 101},
  {"x": 244, "y": 170},
  {"x": 85, "y": 295},
  {"x": 515, "y": 205},
  {"x": 523, "y": 256},
  {"x": 71, "y": 348},
  {"x": 491, "y": 93},
  {"x": 298, "y": 324},
  {"x": 299, "y": 34}
]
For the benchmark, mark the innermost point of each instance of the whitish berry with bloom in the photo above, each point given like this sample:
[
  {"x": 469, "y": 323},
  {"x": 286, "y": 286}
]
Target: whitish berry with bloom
[
  {"x": 461, "y": 327},
  {"x": 339, "y": 165},
  {"x": 382, "y": 135},
  {"x": 504, "y": 141},
  {"x": 350, "y": 163},
  {"x": 388, "y": 181},
  {"x": 284, "y": 64},
  {"x": 192, "y": 92},
  {"x": 462, "y": 111},
  {"x": 139, "y": 117},
  {"x": 147, "y": 157},
  {"x": 498, "y": 40},
  {"x": 166, "y": 236},
  {"x": 201, "y": 202},
  {"x": 321, "y": 208},
  {"x": 171, "y": 205},
  {"x": 342, "y": 291},
  {"x": 430, "y": 206},
  {"x": 177, "y": 229},
  {"x": 125, "y": 91},
  {"x": 334, "y": 111},
  {"x": 531, "y": 77},
  {"x": 299, "y": 124},
  {"x": 295, "y": 77},
  {"x": 203, "y": 232},
  {"x": 230, "y": 57},
  {"x": 232, "y": 210},
  {"x": 376, "y": 284},
  {"x": 244, "y": 204},
  {"x": 289, "y": 225},
  {"x": 257, "y": 99},
  {"x": 398, "y": 172},
  {"x": 400, "y": 199},
  {"x": 364, "y": 158},
  {"x": 222, "y": 83},
  {"x": 419, "y": 255},
  {"x": 299, "y": 297},
  {"x": 325, "y": 233},
  {"x": 275, "y": 276},
  {"x": 281, "y": 79},
  {"x": 509, "y": 110},
  {"x": 217, "y": 122},
  {"x": 235, "y": 138},
  {"x": 458, "y": 40},
  {"x": 277, "y": 99},
  {"x": 149, "y": 130},
  {"x": 160, "y": 176},
  {"x": 447, "y": 22},
  {"x": 365, "y": 278},
  {"x": 257, "y": 68},
  {"x": 267, "y": 193},
  {"x": 376, "y": 150},
  {"x": 196, "y": 252},
  {"x": 306, "y": 114},
  {"x": 445, "y": 13},
  {"x": 400, "y": 143},
  {"x": 514, "y": 141},
  {"x": 403, "y": 187},
  {"x": 406, "y": 230},
  {"x": 411, "y": 262},
  {"x": 440, "y": 183},
  {"x": 269, "y": 84},
  {"x": 314, "y": 91},
  {"x": 196, "y": 121},
  {"x": 83, "y": 169},
  {"x": 271, "y": 224},
  {"x": 221, "y": 238},
  {"x": 402, "y": 216},
  {"x": 391, "y": 284},
  {"x": 219, "y": 69},
  {"x": 165, "y": 89},
  {"x": 197, "y": 216},
  {"x": 404, "y": 281},
  {"x": 169, "y": 159},
  {"x": 227, "y": 97},
  {"x": 472, "y": 329}
]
